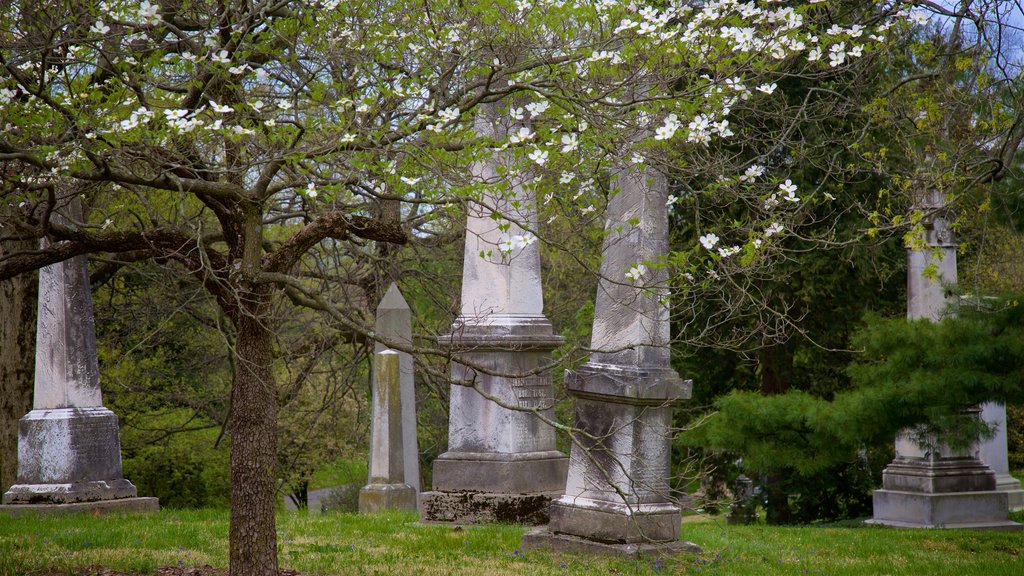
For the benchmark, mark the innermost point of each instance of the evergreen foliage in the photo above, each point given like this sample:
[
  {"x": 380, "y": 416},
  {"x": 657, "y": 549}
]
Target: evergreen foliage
[{"x": 911, "y": 373}]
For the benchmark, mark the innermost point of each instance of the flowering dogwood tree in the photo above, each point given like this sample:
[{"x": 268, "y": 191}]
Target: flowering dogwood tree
[{"x": 242, "y": 142}]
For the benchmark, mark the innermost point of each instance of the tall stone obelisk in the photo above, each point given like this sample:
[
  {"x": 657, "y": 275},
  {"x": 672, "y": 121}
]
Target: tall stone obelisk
[
  {"x": 387, "y": 488},
  {"x": 617, "y": 497},
  {"x": 69, "y": 451},
  {"x": 929, "y": 484},
  {"x": 501, "y": 463},
  {"x": 394, "y": 324}
]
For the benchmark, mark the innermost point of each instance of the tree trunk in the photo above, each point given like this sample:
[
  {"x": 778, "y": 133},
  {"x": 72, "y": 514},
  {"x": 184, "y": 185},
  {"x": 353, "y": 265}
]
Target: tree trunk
[
  {"x": 17, "y": 359},
  {"x": 775, "y": 363},
  {"x": 253, "y": 542}
]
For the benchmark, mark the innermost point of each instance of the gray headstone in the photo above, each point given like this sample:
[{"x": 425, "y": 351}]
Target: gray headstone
[
  {"x": 617, "y": 494},
  {"x": 394, "y": 324},
  {"x": 387, "y": 487},
  {"x": 502, "y": 459},
  {"x": 929, "y": 484},
  {"x": 69, "y": 450}
]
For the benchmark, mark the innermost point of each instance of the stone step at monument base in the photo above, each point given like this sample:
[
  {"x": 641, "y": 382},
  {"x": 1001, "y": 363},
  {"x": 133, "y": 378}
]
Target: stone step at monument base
[
  {"x": 1014, "y": 493},
  {"x": 501, "y": 473},
  {"x": 615, "y": 522},
  {"x": 143, "y": 505},
  {"x": 541, "y": 538},
  {"x": 377, "y": 497},
  {"x": 975, "y": 510},
  {"x": 70, "y": 493},
  {"x": 469, "y": 507}
]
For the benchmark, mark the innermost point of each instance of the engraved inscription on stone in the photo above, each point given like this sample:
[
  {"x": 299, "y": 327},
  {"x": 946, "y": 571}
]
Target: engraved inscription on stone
[{"x": 532, "y": 391}]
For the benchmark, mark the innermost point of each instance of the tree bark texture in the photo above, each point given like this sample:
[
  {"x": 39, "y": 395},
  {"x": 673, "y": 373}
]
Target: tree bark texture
[
  {"x": 18, "y": 297},
  {"x": 253, "y": 541}
]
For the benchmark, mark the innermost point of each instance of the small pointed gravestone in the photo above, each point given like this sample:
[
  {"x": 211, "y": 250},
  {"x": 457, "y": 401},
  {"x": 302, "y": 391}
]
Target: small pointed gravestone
[
  {"x": 928, "y": 484},
  {"x": 394, "y": 324},
  {"x": 69, "y": 451},
  {"x": 387, "y": 487},
  {"x": 617, "y": 497},
  {"x": 502, "y": 463}
]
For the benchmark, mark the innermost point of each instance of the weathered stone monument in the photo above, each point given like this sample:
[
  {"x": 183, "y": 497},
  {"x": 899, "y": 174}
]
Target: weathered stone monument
[
  {"x": 993, "y": 452},
  {"x": 69, "y": 451},
  {"x": 617, "y": 497},
  {"x": 394, "y": 324},
  {"x": 929, "y": 484},
  {"x": 387, "y": 487},
  {"x": 501, "y": 463}
]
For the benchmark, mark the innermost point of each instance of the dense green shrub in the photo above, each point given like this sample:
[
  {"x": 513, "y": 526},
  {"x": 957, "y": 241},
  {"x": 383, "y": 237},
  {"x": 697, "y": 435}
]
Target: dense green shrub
[{"x": 183, "y": 469}]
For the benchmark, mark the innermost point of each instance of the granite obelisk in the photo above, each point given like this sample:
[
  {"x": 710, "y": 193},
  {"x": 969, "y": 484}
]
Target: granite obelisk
[
  {"x": 394, "y": 324},
  {"x": 501, "y": 463},
  {"x": 929, "y": 484},
  {"x": 617, "y": 497},
  {"x": 387, "y": 487},
  {"x": 69, "y": 451}
]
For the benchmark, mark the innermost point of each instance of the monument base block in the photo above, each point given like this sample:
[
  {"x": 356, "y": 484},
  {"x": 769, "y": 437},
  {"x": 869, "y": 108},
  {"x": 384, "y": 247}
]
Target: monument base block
[
  {"x": 615, "y": 523},
  {"x": 974, "y": 510},
  {"x": 543, "y": 539},
  {"x": 501, "y": 473},
  {"x": 123, "y": 505},
  {"x": 95, "y": 491},
  {"x": 476, "y": 507},
  {"x": 1011, "y": 487},
  {"x": 377, "y": 497}
]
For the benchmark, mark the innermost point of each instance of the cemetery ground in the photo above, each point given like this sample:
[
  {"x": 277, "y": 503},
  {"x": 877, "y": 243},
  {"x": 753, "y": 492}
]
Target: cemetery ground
[{"x": 194, "y": 542}]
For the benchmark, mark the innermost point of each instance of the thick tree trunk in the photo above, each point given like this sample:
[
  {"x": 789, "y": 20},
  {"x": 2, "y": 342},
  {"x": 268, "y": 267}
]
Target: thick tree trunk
[
  {"x": 17, "y": 359},
  {"x": 253, "y": 541},
  {"x": 775, "y": 363}
]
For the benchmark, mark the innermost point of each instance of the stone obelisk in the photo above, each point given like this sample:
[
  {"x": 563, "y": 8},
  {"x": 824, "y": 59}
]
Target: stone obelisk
[
  {"x": 387, "y": 487},
  {"x": 394, "y": 324},
  {"x": 929, "y": 484},
  {"x": 69, "y": 451},
  {"x": 501, "y": 463},
  {"x": 617, "y": 497}
]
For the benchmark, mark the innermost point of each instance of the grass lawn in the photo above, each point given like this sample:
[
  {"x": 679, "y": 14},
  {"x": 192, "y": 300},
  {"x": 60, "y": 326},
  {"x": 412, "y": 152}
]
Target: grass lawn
[{"x": 393, "y": 544}]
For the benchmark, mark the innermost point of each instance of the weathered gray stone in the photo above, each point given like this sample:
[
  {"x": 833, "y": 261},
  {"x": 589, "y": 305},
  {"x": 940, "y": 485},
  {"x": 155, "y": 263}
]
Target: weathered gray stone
[
  {"x": 617, "y": 498},
  {"x": 69, "y": 450},
  {"x": 993, "y": 453},
  {"x": 502, "y": 331},
  {"x": 929, "y": 484},
  {"x": 144, "y": 505},
  {"x": 387, "y": 487},
  {"x": 472, "y": 507},
  {"x": 541, "y": 538},
  {"x": 394, "y": 324}
]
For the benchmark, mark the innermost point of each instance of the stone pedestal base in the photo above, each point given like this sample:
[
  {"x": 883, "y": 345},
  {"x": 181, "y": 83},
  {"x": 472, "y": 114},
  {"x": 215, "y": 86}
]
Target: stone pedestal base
[
  {"x": 543, "y": 539},
  {"x": 975, "y": 510},
  {"x": 70, "y": 493},
  {"x": 615, "y": 523},
  {"x": 471, "y": 487},
  {"x": 501, "y": 473},
  {"x": 377, "y": 497},
  {"x": 69, "y": 455},
  {"x": 123, "y": 505},
  {"x": 1011, "y": 487},
  {"x": 477, "y": 507}
]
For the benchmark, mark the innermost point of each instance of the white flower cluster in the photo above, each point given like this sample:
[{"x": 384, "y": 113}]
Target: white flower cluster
[
  {"x": 509, "y": 243},
  {"x": 139, "y": 116},
  {"x": 636, "y": 273}
]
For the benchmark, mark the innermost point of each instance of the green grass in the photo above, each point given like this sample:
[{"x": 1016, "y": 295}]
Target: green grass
[{"x": 392, "y": 544}]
